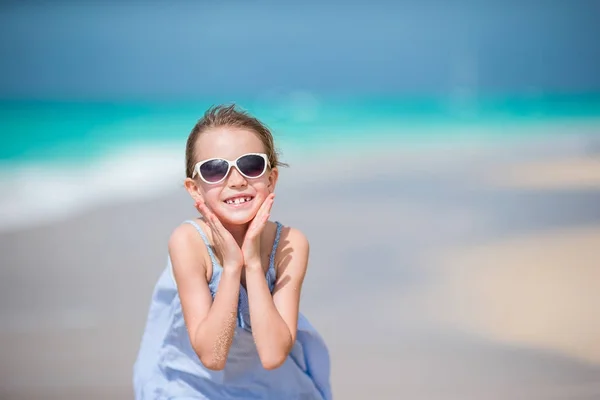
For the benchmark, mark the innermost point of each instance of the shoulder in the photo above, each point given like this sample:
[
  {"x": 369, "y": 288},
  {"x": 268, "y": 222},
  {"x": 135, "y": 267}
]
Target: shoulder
[
  {"x": 293, "y": 238},
  {"x": 186, "y": 247},
  {"x": 293, "y": 250},
  {"x": 183, "y": 237}
]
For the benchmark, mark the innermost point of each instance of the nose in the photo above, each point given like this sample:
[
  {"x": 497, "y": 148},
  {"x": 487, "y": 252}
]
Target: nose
[{"x": 235, "y": 179}]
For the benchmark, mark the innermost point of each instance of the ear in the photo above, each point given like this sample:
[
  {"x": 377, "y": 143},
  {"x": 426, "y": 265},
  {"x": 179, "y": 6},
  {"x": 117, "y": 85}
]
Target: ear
[
  {"x": 273, "y": 176},
  {"x": 193, "y": 189}
]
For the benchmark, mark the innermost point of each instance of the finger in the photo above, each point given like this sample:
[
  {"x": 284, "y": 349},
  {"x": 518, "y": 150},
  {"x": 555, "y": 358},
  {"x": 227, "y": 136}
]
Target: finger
[
  {"x": 206, "y": 212},
  {"x": 214, "y": 222},
  {"x": 203, "y": 209},
  {"x": 259, "y": 222},
  {"x": 209, "y": 217},
  {"x": 269, "y": 205},
  {"x": 199, "y": 200},
  {"x": 258, "y": 226},
  {"x": 265, "y": 207}
]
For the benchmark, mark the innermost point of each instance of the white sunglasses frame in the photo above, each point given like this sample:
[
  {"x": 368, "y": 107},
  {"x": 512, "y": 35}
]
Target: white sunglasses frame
[{"x": 230, "y": 164}]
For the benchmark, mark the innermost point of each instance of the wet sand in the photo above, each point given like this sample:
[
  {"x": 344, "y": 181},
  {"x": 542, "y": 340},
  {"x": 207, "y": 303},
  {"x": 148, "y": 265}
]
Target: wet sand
[{"x": 441, "y": 281}]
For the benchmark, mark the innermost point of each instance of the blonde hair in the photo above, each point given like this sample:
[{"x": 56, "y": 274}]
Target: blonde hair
[{"x": 229, "y": 115}]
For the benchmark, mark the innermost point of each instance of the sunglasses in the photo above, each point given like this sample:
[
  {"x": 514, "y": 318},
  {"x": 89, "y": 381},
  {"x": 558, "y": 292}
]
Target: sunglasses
[{"x": 215, "y": 170}]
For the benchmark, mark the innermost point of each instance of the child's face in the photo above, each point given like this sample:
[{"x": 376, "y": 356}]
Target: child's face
[{"x": 230, "y": 143}]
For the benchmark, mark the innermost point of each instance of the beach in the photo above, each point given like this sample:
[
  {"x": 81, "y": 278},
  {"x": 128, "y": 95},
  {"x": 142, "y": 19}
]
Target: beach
[
  {"x": 446, "y": 273},
  {"x": 444, "y": 165}
]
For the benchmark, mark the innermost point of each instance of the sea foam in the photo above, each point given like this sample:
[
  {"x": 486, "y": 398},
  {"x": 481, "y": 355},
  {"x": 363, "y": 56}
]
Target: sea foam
[{"x": 33, "y": 193}]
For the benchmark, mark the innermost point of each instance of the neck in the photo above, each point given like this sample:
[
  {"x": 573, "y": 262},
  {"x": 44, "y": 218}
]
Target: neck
[{"x": 238, "y": 232}]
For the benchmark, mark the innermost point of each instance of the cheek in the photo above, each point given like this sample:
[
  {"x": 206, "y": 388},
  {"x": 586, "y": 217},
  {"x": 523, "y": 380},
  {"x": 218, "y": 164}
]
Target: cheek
[
  {"x": 262, "y": 188},
  {"x": 211, "y": 194}
]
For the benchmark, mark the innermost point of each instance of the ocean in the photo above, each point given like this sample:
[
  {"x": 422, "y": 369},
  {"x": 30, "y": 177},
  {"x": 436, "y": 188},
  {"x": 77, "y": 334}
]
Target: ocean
[{"x": 60, "y": 157}]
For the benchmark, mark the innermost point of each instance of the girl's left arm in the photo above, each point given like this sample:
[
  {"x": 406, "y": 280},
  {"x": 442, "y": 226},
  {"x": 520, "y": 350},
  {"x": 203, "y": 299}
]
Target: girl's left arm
[{"x": 274, "y": 316}]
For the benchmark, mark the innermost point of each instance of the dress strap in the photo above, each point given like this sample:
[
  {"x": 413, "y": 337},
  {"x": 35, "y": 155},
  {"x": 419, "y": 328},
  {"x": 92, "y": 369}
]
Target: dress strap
[
  {"x": 205, "y": 239},
  {"x": 274, "y": 250}
]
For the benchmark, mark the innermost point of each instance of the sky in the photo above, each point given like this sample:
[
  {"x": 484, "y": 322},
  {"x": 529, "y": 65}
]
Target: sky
[{"x": 182, "y": 49}]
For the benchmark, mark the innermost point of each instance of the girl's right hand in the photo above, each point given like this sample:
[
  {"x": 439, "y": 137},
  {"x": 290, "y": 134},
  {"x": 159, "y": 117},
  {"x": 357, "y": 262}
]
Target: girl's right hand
[{"x": 231, "y": 252}]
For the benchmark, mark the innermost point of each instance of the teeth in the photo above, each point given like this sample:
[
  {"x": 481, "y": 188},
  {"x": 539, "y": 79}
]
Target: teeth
[{"x": 239, "y": 200}]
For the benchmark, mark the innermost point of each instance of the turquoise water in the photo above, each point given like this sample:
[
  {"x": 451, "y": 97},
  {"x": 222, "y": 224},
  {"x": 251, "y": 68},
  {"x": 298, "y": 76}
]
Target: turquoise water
[
  {"x": 77, "y": 155},
  {"x": 68, "y": 131}
]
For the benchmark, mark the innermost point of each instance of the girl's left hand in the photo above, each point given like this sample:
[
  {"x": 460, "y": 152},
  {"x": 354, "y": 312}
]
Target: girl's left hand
[{"x": 251, "y": 245}]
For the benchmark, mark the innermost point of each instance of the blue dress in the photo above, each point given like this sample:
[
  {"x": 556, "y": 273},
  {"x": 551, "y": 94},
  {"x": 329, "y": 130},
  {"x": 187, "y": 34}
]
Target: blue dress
[{"x": 168, "y": 368}]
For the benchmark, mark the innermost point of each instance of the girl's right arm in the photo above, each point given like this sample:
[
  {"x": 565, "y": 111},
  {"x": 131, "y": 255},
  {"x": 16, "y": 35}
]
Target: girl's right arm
[{"x": 210, "y": 324}]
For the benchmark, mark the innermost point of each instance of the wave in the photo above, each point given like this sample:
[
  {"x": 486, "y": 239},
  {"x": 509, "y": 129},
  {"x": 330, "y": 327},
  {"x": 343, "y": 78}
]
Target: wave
[
  {"x": 42, "y": 192},
  {"x": 33, "y": 193}
]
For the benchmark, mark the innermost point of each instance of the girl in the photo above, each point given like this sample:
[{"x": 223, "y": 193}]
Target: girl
[{"x": 224, "y": 320}]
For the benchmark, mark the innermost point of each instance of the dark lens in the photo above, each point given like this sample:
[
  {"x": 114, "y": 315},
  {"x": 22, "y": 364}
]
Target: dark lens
[
  {"x": 251, "y": 165},
  {"x": 214, "y": 170}
]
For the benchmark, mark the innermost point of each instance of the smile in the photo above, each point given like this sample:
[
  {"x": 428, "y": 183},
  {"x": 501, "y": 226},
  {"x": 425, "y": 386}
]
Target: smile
[{"x": 237, "y": 201}]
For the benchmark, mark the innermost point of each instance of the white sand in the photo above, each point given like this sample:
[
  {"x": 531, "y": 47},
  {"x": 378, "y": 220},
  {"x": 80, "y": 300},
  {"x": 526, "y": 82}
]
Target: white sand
[
  {"x": 556, "y": 174},
  {"x": 538, "y": 290}
]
